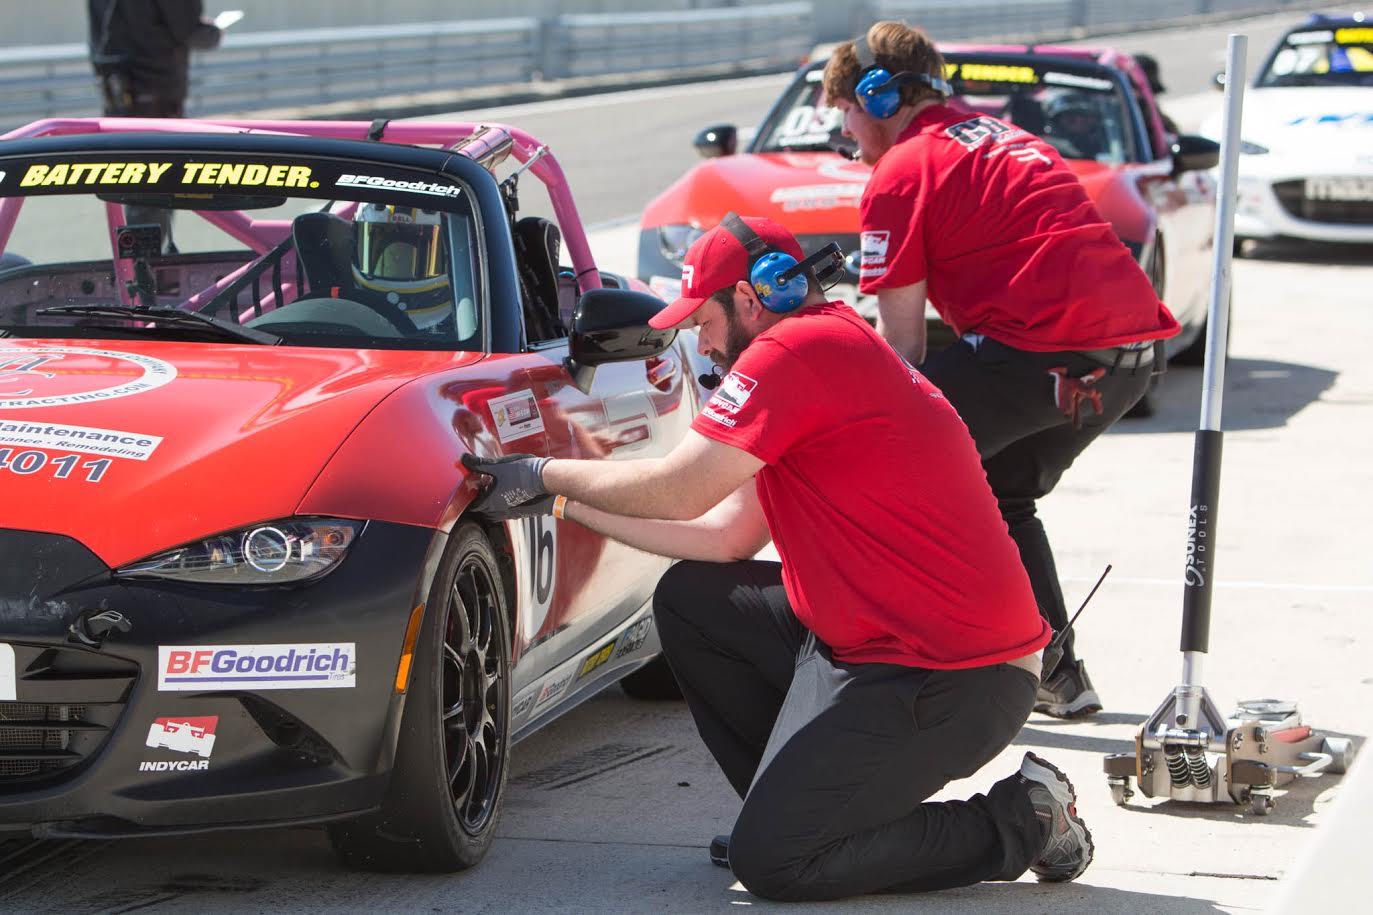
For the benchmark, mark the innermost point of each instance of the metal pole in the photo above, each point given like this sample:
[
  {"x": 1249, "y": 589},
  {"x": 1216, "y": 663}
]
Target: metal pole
[
  {"x": 1218, "y": 310},
  {"x": 1202, "y": 514}
]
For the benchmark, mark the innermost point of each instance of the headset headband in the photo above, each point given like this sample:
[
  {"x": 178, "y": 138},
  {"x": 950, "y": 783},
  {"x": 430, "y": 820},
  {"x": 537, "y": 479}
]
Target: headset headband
[
  {"x": 755, "y": 246},
  {"x": 868, "y": 61}
]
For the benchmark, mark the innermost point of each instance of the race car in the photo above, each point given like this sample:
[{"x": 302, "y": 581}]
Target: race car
[
  {"x": 239, "y": 365},
  {"x": 1094, "y": 106},
  {"x": 1306, "y": 151}
]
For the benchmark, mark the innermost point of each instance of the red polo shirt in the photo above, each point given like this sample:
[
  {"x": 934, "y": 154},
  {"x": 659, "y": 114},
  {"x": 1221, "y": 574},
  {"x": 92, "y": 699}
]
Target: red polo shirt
[
  {"x": 892, "y": 546},
  {"x": 1006, "y": 236}
]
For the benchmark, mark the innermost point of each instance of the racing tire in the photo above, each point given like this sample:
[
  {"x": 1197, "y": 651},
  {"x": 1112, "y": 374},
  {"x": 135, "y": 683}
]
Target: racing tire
[
  {"x": 1147, "y": 405},
  {"x": 452, "y": 755},
  {"x": 654, "y": 682},
  {"x": 1195, "y": 352}
]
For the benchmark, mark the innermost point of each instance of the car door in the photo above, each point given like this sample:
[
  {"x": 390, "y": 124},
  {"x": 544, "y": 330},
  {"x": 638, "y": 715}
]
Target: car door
[{"x": 582, "y": 586}]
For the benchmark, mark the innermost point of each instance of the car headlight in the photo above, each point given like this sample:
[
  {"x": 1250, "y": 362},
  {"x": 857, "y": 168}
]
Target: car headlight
[
  {"x": 277, "y": 552},
  {"x": 674, "y": 241},
  {"x": 1252, "y": 149}
]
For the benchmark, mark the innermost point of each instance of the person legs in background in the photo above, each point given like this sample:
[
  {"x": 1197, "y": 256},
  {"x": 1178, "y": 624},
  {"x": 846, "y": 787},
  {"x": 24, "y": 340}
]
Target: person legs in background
[{"x": 1007, "y": 398}]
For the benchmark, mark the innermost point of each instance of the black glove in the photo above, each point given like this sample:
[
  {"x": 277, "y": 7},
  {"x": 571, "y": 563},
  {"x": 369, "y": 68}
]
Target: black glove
[{"x": 516, "y": 482}]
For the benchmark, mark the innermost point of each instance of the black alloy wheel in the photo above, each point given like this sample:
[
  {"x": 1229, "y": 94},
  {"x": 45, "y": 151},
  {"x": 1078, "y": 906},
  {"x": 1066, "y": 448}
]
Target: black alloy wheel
[
  {"x": 452, "y": 756},
  {"x": 476, "y": 688}
]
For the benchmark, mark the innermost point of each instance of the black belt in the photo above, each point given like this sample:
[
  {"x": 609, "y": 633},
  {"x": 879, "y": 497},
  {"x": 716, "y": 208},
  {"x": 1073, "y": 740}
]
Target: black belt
[{"x": 1128, "y": 356}]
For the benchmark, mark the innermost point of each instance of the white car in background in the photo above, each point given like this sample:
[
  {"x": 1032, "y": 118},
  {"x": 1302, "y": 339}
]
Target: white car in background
[{"x": 1306, "y": 157}]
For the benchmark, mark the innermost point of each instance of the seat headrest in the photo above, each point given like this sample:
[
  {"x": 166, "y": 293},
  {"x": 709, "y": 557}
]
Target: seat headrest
[{"x": 325, "y": 244}]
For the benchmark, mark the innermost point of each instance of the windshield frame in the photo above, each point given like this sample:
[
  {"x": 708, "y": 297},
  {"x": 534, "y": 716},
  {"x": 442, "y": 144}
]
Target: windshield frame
[
  {"x": 1264, "y": 79},
  {"x": 1137, "y": 146}
]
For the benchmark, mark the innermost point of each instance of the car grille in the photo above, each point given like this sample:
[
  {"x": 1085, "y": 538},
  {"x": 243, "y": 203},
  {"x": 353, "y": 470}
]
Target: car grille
[
  {"x": 1292, "y": 196},
  {"x": 72, "y": 700}
]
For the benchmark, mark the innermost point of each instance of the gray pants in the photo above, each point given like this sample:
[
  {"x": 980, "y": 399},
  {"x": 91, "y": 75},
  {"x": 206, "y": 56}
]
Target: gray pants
[{"x": 836, "y": 761}]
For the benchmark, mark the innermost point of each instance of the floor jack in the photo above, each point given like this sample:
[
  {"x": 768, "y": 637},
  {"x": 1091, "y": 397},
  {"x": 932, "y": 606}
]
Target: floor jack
[{"x": 1187, "y": 750}]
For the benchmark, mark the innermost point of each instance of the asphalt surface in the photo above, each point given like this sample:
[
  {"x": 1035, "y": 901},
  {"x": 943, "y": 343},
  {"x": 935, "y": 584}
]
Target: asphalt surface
[{"x": 611, "y": 808}]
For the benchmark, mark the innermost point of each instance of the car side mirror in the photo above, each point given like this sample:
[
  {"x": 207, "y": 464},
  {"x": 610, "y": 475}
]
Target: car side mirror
[
  {"x": 1218, "y": 80},
  {"x": 611, "y": 325},
  {"x": 1194, "y": 154},
  {"x": 717, "y": 141}
]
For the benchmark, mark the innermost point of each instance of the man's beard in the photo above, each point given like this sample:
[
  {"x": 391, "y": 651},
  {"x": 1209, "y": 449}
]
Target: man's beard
[{"x": 737, "y": 340}]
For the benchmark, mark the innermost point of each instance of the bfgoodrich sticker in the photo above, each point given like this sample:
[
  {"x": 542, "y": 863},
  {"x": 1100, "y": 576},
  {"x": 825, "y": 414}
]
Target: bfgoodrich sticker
[{"x": 201, "y": 667}]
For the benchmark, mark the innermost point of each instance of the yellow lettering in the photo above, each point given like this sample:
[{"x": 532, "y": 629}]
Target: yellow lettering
[
  {"x": 230, "y": 173},
  {"x": 210, "y": 173},
  {"x": 255, "y": 174},
  {"x": 81, "y": 168},
  {"x": 1354, "y": 36},
  {"x": 188, "y": 171},
  {"x": 156, "y": 170},
  {"x": 999, "y": 73},
  {"x": 950, "y": 71},
  {"x": 34, "y": 175},
  {"x": 112, "y": 173},
  {"x": 57, "y": 175},
  {"x": 276, "y": 175},
  {"x": 133, "y": 173},
  {"x": 298, "y": 176}
]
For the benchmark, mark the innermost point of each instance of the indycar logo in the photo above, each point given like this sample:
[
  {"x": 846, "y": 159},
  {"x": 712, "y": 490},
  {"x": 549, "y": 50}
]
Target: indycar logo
[
  {"x": 184, "y": 735},
  {"x": 873, "y": 254},
  {"x": 375, "y": 182},
  {"x": 729, "y": 399},
  {"x": 23, "y": 384},
  {"x": 196, "y": 667}
]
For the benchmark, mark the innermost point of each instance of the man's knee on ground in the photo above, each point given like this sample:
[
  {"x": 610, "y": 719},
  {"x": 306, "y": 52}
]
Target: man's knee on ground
[{"x": 769, "y": 869}]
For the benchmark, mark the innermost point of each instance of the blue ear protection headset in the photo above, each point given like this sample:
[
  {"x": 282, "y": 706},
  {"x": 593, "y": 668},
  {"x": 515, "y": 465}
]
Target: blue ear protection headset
[
  {"x": 879, "y": 92},
  {"x": 780, "y": 280}
]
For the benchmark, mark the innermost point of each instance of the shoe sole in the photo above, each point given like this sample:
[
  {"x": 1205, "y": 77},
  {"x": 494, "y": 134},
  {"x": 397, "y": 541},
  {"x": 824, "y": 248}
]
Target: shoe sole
[
  {"x": 1075, "y": 822},
  {"x": 1085, "y": 704}
]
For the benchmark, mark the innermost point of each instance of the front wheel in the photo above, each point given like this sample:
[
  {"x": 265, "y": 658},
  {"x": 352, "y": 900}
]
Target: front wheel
[{"x": 452, "y": 756}]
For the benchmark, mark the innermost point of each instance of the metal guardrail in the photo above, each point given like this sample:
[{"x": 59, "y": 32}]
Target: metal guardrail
[{"x": 264, "y": 70}]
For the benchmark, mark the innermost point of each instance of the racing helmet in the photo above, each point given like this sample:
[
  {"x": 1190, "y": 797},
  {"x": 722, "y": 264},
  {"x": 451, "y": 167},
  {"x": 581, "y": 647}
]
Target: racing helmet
[
  {"x": 1077, "y": 120},
  {"x": 400, "y": 256}
]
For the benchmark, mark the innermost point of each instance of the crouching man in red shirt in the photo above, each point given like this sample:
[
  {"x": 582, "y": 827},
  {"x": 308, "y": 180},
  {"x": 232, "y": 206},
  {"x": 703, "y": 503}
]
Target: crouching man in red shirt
[
  {"x": 1057, "y": 322},
  {"x": 895, "y": 648}
]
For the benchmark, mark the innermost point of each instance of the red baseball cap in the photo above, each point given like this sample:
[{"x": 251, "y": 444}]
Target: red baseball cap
[{"x": 717, "y": 259}]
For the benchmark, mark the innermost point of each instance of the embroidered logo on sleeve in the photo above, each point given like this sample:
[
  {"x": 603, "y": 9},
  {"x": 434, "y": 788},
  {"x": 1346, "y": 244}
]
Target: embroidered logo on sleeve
[
  {"x": 873, "y": 249},
  {"x": 729, "y": 399}
]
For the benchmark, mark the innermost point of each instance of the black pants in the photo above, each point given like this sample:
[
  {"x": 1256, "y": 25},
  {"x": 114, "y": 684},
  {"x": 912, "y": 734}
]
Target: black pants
[
  {"x": 835, "y": 761},
  {"x": 1006, "y": 398}
]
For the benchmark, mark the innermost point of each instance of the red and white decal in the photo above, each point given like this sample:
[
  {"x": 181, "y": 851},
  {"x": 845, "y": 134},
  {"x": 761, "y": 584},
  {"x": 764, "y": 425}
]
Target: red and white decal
[
  {"x": 194, "y": 735},
  {"x": 729, "y": 399},
  {"x": 56, "y": 376},
  {"x": 873, "y": 253}
]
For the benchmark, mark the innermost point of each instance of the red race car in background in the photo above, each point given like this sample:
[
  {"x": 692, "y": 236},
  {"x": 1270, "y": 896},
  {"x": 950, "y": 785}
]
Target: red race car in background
[{"x": 1093, "y": 105}]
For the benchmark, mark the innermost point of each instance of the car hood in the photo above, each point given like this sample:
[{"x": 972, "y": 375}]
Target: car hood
[
  {"x": 132, "y": 447},
  {"x": 811, "y": 193},
  {"x": 1306, "y": 120}
]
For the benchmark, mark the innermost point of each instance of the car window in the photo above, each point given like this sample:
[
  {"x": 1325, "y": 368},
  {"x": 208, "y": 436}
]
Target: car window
[
  {"x": 1322, "y": 57},
  {"x": 1079, "y": 109},
  {"x": 298, "y": 249}
]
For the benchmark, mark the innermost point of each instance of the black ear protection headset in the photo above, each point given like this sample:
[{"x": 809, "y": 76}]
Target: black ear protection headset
[
  {"x": 879, "y": 92},
  {"x": 780, "y": 280}
]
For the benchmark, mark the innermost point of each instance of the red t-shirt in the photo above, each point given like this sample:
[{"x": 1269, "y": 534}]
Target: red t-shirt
[
  {"x": 892, "y": 546},
  {"x": 1006, "y": 236}
]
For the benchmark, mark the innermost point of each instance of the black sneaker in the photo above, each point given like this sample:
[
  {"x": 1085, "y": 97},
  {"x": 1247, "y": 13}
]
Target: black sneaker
[
  {"x": 719, "y": 851},
  {"x": 1068, "y": 693},
  {"x": 1067, "y": 843}
]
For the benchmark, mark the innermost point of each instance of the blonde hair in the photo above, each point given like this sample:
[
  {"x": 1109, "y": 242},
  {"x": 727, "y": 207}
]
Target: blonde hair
[{"x": 895, "y": 47}]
